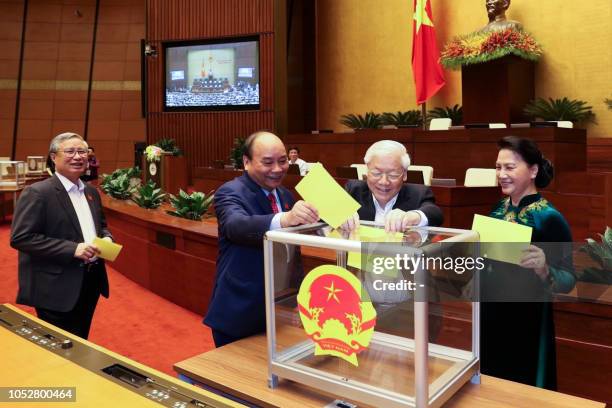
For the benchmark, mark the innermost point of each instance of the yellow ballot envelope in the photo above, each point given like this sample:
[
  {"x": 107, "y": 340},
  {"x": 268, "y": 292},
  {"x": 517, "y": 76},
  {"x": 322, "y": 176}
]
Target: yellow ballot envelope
[
  {"x": 108, "y": 250},
  {"x": 493, "y": 232},
  {"x": 320, "y": 189}
]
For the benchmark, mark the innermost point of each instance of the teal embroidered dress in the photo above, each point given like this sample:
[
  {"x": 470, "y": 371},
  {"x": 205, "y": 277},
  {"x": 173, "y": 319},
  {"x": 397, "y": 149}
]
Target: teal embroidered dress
[{"x": 517, "y": 328}]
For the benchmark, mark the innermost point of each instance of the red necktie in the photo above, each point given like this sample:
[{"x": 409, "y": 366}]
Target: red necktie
[{"x": 273, "y": 203}]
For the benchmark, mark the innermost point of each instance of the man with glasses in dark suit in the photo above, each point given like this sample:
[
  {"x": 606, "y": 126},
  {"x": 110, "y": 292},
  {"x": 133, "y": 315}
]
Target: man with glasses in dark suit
[
  {"x": 54, "y": 225},
  {"x": 385, "y": 198}
]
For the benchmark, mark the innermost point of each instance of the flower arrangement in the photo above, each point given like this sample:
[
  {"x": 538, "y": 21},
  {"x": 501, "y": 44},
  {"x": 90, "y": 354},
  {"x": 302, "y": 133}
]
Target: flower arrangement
[
  {"x": 483, "y": 46},
  {"x": 153, "y": 153}
]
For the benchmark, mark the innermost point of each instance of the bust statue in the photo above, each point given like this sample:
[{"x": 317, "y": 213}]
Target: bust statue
[{"x": 496, "y": 10}]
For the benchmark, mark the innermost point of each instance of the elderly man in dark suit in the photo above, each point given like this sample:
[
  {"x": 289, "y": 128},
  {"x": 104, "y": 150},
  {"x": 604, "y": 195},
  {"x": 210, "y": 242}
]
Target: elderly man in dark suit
[
  {"x": 246, "y": 208},
  {"x": 385, "y": 198},
  {"x": 54, "y": 224}
]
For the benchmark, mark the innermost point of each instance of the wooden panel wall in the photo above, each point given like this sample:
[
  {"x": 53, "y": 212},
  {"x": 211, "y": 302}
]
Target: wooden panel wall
[
  {"x": 57, "y": 59},
  {"x": 208, "y": 136}
]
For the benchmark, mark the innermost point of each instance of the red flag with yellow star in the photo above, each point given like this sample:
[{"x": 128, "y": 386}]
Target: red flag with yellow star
[{"x": 426, "y": 69}]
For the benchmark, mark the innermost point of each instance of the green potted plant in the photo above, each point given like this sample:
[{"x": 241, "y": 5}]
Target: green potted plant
[
  {"x": 237, "y": 152},
  {"x": 370, "y": 120},
  {"x": 560, "y": 109},
  {"x": 401, "y": 119},
  {"x": 118, "y": 187},
  {"x": 121, "y": 182},
  {"x": 149, "y": 196},
  {"x": 190, "y": 206},
  {"x": 601, "y": 253},
  {"x": 455, "y": 113}
]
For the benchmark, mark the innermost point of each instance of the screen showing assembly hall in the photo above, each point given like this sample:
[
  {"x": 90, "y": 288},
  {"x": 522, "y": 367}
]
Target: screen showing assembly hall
[{"x": 212, "y": 75}]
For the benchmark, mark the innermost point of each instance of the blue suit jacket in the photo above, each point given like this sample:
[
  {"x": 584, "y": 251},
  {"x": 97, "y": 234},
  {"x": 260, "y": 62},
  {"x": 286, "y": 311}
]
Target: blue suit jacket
[{"x": 237, "y": 306}]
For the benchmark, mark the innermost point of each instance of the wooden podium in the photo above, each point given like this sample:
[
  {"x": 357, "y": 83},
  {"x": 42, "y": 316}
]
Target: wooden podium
[
  {"x": 498, "y": 90},
  {"x": 170, "y": 173}
]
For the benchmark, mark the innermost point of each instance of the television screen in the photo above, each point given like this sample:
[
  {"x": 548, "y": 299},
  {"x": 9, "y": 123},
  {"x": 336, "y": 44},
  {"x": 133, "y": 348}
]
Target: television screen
[{"x": 212, "y": 75}]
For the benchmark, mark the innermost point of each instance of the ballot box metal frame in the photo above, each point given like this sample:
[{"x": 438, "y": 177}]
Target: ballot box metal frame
[{"x": 285, "y": 364}]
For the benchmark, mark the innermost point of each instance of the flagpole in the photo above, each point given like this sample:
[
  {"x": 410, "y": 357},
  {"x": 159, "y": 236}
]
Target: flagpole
[{"x": 424, "y": 114}]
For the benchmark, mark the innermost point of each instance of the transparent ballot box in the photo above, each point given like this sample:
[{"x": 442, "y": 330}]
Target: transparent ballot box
[
  {"x": 36, "y": 164},
  {"x": 370, "y": 317},
  {"x": 12, "y": 173}
]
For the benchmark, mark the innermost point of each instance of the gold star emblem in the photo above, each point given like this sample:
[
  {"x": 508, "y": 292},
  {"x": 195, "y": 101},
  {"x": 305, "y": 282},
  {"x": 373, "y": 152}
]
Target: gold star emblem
[
  {"x": 332, "y": 292},
  {"x": 420, "y": 14}
]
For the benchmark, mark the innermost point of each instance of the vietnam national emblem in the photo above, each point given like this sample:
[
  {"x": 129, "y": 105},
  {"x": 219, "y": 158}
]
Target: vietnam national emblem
[{"x": 334, "y": 314}]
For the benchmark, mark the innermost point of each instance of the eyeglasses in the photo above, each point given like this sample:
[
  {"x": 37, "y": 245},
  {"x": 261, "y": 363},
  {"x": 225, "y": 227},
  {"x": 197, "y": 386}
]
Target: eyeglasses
[
  {"x": 377, "y": 175},
  {"x": 73, "y": 152}
]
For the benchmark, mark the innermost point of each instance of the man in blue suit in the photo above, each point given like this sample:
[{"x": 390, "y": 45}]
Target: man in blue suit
[{"x": 246, "y": 208}]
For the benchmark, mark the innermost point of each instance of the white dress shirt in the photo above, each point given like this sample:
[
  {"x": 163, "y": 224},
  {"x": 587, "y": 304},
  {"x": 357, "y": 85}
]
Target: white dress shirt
[
  {"x": 76, "y": 192},
  {"x": 381, "y": 212}
]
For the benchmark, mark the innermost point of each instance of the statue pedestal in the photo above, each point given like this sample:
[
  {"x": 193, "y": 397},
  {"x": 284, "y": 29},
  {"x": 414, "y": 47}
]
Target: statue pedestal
[{"x": 498, "y": 90}]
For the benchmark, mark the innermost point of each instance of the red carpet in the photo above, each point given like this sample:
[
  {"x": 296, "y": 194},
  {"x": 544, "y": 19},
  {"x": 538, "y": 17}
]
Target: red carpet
[{"x": 132, "y": 322}]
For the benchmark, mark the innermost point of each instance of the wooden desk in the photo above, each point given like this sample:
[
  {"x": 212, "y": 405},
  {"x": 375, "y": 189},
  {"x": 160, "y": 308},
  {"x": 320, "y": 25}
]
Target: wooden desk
[
  {"x": 27, "y": 364},
  {"x": 6, "y": 207},
  {"x": 240, "y": 369},
  {"x": 450, "y": 152}
]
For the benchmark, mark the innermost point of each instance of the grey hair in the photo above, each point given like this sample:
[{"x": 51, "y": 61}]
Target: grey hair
[
  {"x": 386, "y": 147},
  {"x": 62, "y": 137}
]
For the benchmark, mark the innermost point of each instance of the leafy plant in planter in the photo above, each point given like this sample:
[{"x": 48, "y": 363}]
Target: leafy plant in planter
[
  {"x": 455, "y": 113},
  {"x": 370, "y": 120},
  {"x": 148, "y": 196},
  {"x": 111, "y": 186},
  {"x": 602, "y": 254},
  {"x": 118, "y": 187},
  {"x": 191, "y": 206},
  {"x": 237, "y": 152},
  {"x": 407, "y": 118},
  {"x": 169, "y": 146},
  {"x": 560, "y": 109}
]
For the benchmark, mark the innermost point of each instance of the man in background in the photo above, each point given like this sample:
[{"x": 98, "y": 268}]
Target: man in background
[
  {"x": 294, "y": 158},
  {"x": 246, "y": 208},
  {"x": 54, "y": 225}
]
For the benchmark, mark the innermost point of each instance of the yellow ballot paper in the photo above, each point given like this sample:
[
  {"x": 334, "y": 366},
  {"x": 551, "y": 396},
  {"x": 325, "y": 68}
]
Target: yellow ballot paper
[
  {"x": 493, "y": 232},
  {"x": 372, "y": 234},
  {"x": 109, "y": 250},
  {"x": 334, "y": 204}
]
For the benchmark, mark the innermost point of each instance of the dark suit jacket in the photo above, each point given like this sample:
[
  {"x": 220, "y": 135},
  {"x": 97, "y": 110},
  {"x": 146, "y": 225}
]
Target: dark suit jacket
[
  {"x": 410, "y": 197},
  {"x": 237, "y": 306},
  {"x": 46, "y": 231}
]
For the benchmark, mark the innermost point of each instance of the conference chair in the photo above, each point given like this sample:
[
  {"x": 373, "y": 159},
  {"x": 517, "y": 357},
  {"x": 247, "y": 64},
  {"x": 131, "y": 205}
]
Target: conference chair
[
  {"x": 347, "y": 173},
  {"x": 475, "y": 177},
  {"x": 362, "y": 170},
  {"x": 294, "y": 169},
  {"x": 415, "y": 177},
  {"x": 427, "y": 173},
  {"x": 440, "y": 124}
]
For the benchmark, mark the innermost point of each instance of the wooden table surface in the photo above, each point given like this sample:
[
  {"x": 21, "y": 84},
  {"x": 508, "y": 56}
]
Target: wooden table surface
[
  {"x": 240, "y": 369},
  {"x": 25, "y": 364}
]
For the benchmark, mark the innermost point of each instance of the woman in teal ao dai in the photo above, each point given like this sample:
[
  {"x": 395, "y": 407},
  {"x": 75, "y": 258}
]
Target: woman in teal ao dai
[{"x": 517, "y": 327}]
